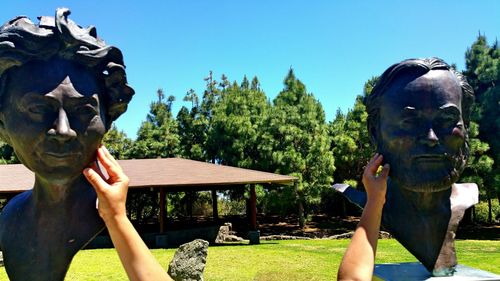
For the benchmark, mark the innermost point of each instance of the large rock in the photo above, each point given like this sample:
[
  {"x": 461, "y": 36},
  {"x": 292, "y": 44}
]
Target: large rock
[
  {"x": 223, "y": 233},
  {"x": 226, "y": 234},
  {"x": 189, "y": 261}
]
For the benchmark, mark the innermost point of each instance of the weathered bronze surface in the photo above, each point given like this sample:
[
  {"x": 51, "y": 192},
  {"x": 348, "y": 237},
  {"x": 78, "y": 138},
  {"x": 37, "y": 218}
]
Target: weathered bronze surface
[
  {"x": 418, "y": 119},
  {"x": 60, "y": 89}
]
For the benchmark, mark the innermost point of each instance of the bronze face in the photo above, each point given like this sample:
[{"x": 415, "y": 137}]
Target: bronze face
[
  {"x": 422, "y": 134},
  {"x": 54, "y": 119},
  {"x": 60, "y": 88}
]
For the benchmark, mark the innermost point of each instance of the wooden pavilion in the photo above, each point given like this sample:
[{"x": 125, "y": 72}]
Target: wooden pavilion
[{"x": 166, "y": 175}]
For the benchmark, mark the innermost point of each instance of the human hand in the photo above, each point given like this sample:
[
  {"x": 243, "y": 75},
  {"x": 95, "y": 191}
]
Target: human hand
[
  {"x": 111, "y": 192},
  {"x": 376, "y": 186}
]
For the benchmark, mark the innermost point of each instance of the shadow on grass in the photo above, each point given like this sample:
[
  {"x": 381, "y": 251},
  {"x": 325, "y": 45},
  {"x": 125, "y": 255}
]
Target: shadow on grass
[
  {"x": 279, "y": 276},
  {"x": 478, "y": 232},
  {"x": 241, "y": 244}
]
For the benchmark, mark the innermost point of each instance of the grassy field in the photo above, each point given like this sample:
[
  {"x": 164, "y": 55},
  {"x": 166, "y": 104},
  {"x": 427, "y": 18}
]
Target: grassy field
[{"x": 276, "y": 260}]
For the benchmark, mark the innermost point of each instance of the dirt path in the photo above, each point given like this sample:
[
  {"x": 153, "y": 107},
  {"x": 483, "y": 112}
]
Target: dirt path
[{"x": 323, "y": 226}]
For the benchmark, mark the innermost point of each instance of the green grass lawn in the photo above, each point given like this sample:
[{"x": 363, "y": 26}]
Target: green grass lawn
[{"x": 276, "y": 260}]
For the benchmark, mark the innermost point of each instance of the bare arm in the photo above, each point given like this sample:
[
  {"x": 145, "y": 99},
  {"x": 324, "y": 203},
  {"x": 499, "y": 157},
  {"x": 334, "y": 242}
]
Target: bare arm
[
  {"x": 135, "y": 256},
  {"x": 359, "y": 258}
]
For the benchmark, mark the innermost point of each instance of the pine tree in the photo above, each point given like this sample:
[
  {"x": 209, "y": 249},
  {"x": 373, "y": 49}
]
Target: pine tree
[
  {"x": 7, "y": 155},
  {"x": 192, "y": 129},
  {"x": 483, "y": 73},
  {"x": 117, "y": 142},
  {"x": 157, "y": 136},
  {"x": 237, "y": 126},
  {"x": 296, "y": 142},
  {"x": 211, "y": 96}
]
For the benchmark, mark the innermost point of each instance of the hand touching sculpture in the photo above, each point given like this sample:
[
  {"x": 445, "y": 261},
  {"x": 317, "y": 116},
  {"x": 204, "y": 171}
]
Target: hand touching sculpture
[
  {"x": 136, "y": 258},
  {"x": 376, "y": 185},
  {"x": 111, "y": 192},
  {"x": 359, "y": 258}
]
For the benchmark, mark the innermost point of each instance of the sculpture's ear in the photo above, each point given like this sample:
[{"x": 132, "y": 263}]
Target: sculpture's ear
[
  {"x": 3, "y": 134},
  {"x": 372, "y": 130}
]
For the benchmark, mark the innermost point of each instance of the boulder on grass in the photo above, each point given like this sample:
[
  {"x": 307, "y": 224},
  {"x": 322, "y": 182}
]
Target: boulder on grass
[
  {"x": 224, "y": 231},
  {"x": 189, "y": 261}
]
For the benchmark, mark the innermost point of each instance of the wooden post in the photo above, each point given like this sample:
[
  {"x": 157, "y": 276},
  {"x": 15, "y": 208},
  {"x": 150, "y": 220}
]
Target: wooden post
[
  {"x": 163, "y": 206},
  {"x": 214, "y": 205},
  {"x": 253, "y": 208}
]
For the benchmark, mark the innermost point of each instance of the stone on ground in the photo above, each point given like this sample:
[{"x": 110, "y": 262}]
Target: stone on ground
[
  {"x": 226, "y": 234},
  {"x": 189, "y": 261}
]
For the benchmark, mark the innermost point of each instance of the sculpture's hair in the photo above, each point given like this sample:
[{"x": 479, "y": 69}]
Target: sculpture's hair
[
  {"x": 22, "y": 41},
  {"x": 417, "y": 67}
]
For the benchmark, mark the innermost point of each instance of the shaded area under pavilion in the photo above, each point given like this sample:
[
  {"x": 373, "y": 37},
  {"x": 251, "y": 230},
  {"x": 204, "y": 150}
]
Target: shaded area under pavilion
[{"x": 168, "y": 175}]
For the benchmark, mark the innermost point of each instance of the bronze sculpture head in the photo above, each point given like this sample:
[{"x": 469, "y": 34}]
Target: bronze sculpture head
[
  {"x": 59, "y": 38},
  {"x": 418, "y": 119},
  {"x": 61, "y": 87}
]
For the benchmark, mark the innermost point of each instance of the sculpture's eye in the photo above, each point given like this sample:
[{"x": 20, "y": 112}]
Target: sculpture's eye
[
  {"x": 85, "y": 110},
  {"x": 410, "y": 122},
  {"x": 37, "y": 106},
  {"x": 39, "y": 109},
  {"x": 82, "y": 113},
  {"x": 447, "y": 120},
  {"x": 448, "y": 117}
]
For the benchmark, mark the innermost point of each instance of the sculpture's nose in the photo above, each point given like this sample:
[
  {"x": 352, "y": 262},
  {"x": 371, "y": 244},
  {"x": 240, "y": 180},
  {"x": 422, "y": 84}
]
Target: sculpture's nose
[
  {"x": 430, "y": 138},
  {"x": 61, "y": 130}
]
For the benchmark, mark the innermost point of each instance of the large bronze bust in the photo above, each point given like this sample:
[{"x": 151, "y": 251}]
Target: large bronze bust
[
  {"x": 61, "y": 87},
  {"x": 418, "y": 115}
]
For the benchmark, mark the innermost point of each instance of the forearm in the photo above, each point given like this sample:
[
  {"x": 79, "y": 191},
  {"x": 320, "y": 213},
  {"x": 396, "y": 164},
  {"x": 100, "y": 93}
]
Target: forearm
[
  {"x": 358, "y": 263},
  {"x": 370, "y": 223},
  {"x": 359, "y": 258},
  {"x": 135, "y": 256}
]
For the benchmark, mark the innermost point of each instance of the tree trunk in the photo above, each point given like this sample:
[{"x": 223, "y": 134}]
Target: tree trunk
[
  {"x": 467, "y": 220},
  {"x": 302, "y": 220},
  {"x": 490, "y": 215},
  {"x": 163, "y": 208},
  {"x": 300, "y": 205},
  {"x": 253, "y": 208},
  {"x": 247, "y": 207},
  {"x": 190, "y": 204},
  {"x": 215, "y": 210},
  {"x": 343, "y": 208}
]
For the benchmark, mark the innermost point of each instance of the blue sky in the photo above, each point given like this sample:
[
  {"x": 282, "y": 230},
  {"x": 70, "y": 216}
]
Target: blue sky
[{"x": 333, "y": 46}]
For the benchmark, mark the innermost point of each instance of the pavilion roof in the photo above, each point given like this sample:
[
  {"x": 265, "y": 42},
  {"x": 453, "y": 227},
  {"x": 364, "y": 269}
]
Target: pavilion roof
[{"x": 175, "y": 174}]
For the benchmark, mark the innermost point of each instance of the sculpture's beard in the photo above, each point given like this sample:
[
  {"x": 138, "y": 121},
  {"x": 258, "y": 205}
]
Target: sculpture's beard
[{"x": 426, "y": 176}]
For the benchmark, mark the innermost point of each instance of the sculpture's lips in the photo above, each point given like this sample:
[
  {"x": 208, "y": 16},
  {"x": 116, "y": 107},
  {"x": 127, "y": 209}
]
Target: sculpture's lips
[
  {"x": 429, "y": 157},
  {"x": 61, "y": 155}
]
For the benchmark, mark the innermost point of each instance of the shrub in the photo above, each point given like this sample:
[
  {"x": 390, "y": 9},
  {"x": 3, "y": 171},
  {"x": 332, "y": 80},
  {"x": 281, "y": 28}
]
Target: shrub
[
  {"x": 482, "y": 211},
  {"x": 280, "y": 201}
]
